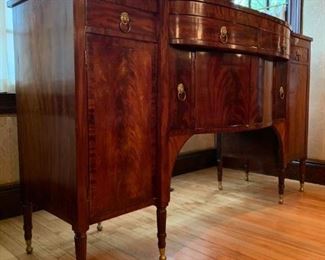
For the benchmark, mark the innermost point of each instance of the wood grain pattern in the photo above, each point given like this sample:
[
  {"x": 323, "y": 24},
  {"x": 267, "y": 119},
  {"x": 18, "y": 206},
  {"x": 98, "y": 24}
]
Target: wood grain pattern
[
  {"x": 46, "y": 104},
  {"x": 223, "y": 82},
  {"x": 205, "y": 224},
  {"x": 122, "y": 123},
  {"x": 100, "y": 127},
  {"x": 199, "y": 23},
  {"x": 104, "y": 18}
]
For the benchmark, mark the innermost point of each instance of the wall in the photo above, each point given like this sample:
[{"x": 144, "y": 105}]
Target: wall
[
  {"x": 9, "y": 167},
  {"x": 198, "y": 143},
  {"x": 313, "y": 22}
]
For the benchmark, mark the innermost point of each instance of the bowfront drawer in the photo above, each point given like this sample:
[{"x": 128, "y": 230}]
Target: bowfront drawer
[
  {"x": 212, "y": 32},
  {"x": 118, "y": 20},
  {"x": 214, "y": 25}
]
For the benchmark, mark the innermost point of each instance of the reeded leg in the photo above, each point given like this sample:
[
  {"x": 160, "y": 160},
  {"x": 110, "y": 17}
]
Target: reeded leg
[
  {"x": 302, "y": 172},
  {"x": 281, "y": 185},
  {"x": 220, "y": 173},
  {"x": 247, "y": 170},
  {"x": 161, "y": 225},
  {"x": 27, "y": 211},
  {"x": 219, "y": 161},
  {"x": 80, "y": 240},
  {"x": 99, "y": 226}
]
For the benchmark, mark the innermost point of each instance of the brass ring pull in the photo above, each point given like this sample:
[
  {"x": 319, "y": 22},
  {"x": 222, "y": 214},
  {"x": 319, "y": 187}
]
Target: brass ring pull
[
  {"x": 181, "y": 93},
  {"x": 224, "y": 34},
  {"x": 281, "y": 93},
  {"x": 298, "y": 55},
  {"x": 125, "y": 22}
]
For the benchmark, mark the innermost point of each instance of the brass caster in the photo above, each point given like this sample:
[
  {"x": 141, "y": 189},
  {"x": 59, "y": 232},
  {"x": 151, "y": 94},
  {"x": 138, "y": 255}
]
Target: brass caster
[
  {"x": 302, "y": 187},
  {"x": 29, "y": 249},
  {"x": 99, "y": 227},
  {"x": 162, "y": 254},
  {"x": 220, "y": 187},
  {"x": 281, "y": 199}
]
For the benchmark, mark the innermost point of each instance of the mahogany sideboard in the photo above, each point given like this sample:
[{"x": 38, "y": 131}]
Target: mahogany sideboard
[{"x": 108, "y": 91}]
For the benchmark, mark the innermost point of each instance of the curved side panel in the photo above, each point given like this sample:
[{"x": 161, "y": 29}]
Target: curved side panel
[
  {"x": 175, "y": 143},
  {"x": 280, "y": 131}
]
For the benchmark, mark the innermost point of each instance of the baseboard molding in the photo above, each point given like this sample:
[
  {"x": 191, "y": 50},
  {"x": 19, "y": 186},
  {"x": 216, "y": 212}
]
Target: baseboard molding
[
  {"x": 7, "y": 103},
  {"x": 315, "y": 170},
  {"x": 195, "y": 161},
  {"x": 10, "y": 201},
  {"x": 10, "y": 205}
]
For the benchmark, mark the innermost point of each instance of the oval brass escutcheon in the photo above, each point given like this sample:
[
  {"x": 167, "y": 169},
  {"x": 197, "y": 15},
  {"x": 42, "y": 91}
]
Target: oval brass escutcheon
[
  {"x": 125, "y": 22},
  {"x": 181, "y": 93}
]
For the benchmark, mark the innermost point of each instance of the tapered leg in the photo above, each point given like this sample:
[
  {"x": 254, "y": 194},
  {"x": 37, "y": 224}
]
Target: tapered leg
[
  {"x": 27, "y": 211},
  {"x": 99, "y": 226},
  {"x": 281, "y": 185},
  {"x": 219, "y": 161},
  {"x": 247, "y": 170},
  {"x": 302, "y": 172},
  {"x": 161, "y": 225},
  {"x": 80, "y": 240}
]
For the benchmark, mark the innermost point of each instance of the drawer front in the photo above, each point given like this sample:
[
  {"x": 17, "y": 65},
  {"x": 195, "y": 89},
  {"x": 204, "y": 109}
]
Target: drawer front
[
  {"x": 205, "y": 24},
  {"x": 145, "y": 5},
  {"x": 118, "y": 20},
  {"x": 299, "y": 54},
  {"x": 213, "y": 32}
]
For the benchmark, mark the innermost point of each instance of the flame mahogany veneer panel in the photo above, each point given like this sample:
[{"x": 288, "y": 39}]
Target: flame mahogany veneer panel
[{"x": 122, "y": 123}]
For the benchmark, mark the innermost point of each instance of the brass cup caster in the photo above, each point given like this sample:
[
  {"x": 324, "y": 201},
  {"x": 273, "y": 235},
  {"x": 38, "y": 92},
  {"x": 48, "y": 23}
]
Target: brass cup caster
[
  {"x": 281, "y": 199},
  {"x": 29, "y": 248},
  {"x": 302, "y": 187},
  {"x": 162, "y": 254},
  {"x": 99, "y": 227},
  {"x": 220, "y": 187}
]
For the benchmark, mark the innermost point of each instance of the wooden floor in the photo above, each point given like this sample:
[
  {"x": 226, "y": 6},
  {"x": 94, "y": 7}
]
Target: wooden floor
[{"x": 244, "y": 221}]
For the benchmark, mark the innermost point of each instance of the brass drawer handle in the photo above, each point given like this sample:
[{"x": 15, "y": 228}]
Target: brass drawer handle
[
  {"x": 181, "y": 93},
  {"x": 298, "y": 55},
  {"x": 281, "y": 93},
  {"x": 224, "y": 34},
  {"x": 125, "y": 22}
]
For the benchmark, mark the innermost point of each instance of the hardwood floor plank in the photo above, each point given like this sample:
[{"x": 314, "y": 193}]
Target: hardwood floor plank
[{"x": 241, "y": 222}]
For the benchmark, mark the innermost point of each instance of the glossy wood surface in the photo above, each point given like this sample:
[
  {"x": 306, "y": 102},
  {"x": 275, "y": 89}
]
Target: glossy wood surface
[
  {"x": 46, "y": 105},
  {"x": 110, "y": 90},
  {"x": 205, "y": 224},
  {"x": 199, "y": 23},
  {"x": 104, "y": 17},
  {"x": 122, "y": 125}
]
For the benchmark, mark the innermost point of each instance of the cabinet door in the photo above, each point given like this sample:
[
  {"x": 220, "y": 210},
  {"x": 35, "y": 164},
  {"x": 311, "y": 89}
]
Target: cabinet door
[
  {"x": 222, "y": 89},
  {"x": 280, "y": 90},
  {"x": 297, "y": 110},
  {"x": 121, "y": 107},
  {"x": 181, "y": 89}
]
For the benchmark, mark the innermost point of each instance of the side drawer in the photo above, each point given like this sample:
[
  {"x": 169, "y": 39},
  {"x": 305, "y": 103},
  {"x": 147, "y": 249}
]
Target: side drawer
[
  {"x": 299, "y": 54},
  {"x": 117, "y": 20},
  {"x": 280, "y": 90}
]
